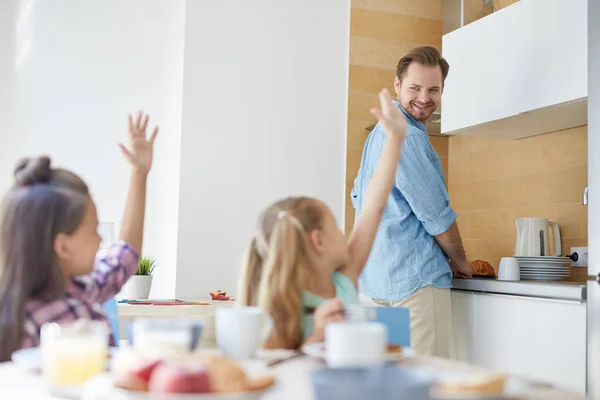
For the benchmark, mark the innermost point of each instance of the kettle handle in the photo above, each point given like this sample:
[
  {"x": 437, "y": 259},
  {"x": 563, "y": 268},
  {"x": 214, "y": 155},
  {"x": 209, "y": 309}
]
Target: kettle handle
[{"x": 557, "y": 239}]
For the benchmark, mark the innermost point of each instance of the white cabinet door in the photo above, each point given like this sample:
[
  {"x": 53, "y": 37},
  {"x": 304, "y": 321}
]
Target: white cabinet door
[
  {"x": 519, "y": 72},
  {"x": 554, "y": 52},
  {"x": 483, "y": 80},
  {"x": 464, "y": 320},
  {"x": 541, "y": 339}
]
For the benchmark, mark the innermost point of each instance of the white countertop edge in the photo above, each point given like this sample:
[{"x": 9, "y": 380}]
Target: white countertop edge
[{"x": 543, "y": 290}]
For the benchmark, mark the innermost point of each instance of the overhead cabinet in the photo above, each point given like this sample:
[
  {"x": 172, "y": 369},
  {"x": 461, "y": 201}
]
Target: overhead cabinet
[{"x": 520, "y": 71}]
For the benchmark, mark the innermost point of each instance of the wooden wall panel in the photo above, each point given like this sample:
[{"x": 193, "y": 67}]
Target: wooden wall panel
[
  {"x": 494, "y": 181},
  {"x": 381, "y": 32}
]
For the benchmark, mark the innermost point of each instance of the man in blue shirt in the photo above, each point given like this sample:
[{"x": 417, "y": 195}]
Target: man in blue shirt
[{"x": 418, "y": 248}]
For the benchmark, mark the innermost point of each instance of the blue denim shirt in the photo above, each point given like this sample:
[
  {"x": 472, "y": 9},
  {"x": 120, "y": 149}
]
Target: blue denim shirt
[{"x": 405, "y": 256}]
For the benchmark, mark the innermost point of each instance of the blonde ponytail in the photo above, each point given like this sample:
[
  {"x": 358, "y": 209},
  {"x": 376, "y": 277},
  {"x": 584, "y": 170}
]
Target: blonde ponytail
[
  {"x": 251, "y": 276},
  {"x": 280, "y": 293},
  {"x": 276, "y": 268}
]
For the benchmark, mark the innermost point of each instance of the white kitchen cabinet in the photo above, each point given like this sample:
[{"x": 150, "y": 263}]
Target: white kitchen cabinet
[
  {"x": 464, "y": 321},
  {"x": 519, "y": 72},
  {"x": 554, "y": 34},
  {"x": 537, "y": 338},
  {"x": 482, "y": 71}
]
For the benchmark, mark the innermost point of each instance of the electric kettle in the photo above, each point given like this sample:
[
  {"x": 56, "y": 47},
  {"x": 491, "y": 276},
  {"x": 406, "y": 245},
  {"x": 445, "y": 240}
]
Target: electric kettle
[{"x": 532, "y": 237}]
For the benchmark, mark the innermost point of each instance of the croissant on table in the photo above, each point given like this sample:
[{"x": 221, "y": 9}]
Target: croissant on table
[{"x": 481, "y": 267}]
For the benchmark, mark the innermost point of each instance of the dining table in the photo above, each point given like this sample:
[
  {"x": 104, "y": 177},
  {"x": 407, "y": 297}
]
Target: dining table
[{"x": 292, "y": 378}]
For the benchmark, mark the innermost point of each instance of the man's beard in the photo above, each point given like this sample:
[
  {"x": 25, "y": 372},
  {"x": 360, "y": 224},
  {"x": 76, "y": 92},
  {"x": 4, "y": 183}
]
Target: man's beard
[{"x": 418, "y": 113}]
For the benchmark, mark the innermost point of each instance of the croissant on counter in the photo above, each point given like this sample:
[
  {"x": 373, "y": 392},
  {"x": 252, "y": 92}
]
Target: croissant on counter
[{"x": 481, "y": 267}]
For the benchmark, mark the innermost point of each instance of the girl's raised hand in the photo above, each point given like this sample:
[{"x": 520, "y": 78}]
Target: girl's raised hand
[
  {"x": 141, "y": 148},
  {"x": 391, "y": 117}
]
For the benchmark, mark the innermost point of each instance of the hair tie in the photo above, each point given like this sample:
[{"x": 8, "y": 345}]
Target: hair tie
[
  {"x": 285, "y": 214},
  {"x": 260, "y": 245}
]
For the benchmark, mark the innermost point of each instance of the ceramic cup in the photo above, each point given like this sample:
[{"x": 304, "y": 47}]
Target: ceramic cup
[
  {"x": 509, "y": 269},
  {"x": 241, "y": 331},
  {"x": 355, "y": 344}
]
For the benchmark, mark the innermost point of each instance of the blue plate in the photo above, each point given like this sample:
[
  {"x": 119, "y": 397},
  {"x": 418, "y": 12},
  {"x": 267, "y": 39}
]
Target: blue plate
[
  {"x": 31, "y": 358},
  {"x": 378, "y": 383}
]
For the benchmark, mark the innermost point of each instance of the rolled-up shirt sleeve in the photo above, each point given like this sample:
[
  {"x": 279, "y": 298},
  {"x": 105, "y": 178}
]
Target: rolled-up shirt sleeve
[{"x": 420, "y": 179}]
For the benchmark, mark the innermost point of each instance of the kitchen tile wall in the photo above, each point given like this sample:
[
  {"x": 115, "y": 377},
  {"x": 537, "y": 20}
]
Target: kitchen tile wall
[
  {"x": 492, "y": 182},
  {"x": 381, "y": 31}
]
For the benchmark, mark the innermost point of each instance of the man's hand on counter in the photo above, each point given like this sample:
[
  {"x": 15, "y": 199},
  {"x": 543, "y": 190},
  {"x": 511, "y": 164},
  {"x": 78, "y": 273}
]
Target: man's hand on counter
[
  {"x": 451, "y": 244},
  {"x": 461, "y": 269}
]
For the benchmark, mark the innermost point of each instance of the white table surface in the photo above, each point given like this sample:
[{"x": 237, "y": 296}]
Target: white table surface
[
  {"x": 293, "y": 379},
  {"x": 141, "y": 310}
]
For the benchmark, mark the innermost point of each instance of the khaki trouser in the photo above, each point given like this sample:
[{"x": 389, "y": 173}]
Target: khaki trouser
[{"x": 430, "y": 319}]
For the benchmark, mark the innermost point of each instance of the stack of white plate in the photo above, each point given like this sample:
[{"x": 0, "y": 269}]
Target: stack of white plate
[{"x": 545, "y": 268}]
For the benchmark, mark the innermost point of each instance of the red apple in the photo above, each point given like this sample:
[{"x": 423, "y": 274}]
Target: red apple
[
  {"x": 144, "y": 371},
  {"x": 178, "y": 378},
  {"x": 137, "y": 376}
]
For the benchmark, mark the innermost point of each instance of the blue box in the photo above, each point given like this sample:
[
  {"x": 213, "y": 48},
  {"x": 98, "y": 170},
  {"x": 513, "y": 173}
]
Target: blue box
[{"x": 396, "y": 319}]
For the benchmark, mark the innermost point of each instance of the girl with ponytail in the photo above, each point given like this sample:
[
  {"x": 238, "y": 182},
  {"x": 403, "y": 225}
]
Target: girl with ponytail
[{"x": 300, "y": 268}]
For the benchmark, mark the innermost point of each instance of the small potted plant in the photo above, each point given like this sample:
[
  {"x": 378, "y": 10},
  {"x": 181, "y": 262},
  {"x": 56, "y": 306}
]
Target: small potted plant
[{"x": 138, "y": 286}]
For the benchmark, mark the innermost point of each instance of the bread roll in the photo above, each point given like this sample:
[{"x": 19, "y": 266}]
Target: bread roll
[
  {"x": 478, "y": 384},
  {"x": 226, "y": 376},
  {"x": 481, "y": 267}
]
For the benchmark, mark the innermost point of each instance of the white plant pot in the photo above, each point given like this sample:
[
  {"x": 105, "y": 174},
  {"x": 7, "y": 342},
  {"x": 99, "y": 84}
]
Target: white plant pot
[{"x": 137, "y": 287}]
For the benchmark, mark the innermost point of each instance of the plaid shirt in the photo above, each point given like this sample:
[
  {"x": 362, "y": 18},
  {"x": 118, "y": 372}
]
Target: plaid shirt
[{"x": 84, "y": 294}]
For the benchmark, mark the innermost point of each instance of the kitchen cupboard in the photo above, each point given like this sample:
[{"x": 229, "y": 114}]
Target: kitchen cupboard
[
  {"x": 464, "y": 325},
  {"x": 538, "y": 338},
  {"x": 555, "y": 70},
  {"x": 518, "y": 72},
  {"x": 481, "y": 68}
]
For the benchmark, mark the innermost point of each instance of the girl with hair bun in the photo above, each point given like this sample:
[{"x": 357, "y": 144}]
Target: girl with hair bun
[{"x": 49, "y": 241}]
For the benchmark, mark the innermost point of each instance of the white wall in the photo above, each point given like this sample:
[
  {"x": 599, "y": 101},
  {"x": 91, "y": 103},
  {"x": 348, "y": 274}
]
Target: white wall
[
  {"x": 8, "y": 20},
  {"x": 251, "y": 98},
  {"x": 75, "y": 69},
  {"x": 264, "y": 116}
]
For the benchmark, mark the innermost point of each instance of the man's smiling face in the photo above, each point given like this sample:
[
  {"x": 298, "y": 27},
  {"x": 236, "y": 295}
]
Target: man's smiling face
[{"x": 420, "y": 90}]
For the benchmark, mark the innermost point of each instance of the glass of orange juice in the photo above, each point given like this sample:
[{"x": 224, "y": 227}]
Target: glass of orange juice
[{"x": 73, "y": 352}]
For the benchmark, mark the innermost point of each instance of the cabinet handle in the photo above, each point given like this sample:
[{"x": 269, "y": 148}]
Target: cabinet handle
[{"x": 512, "y": 296}]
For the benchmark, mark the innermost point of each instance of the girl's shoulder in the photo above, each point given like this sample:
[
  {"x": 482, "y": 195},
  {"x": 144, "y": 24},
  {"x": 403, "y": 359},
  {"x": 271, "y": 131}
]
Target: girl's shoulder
[{"x": 344, "y": 288}]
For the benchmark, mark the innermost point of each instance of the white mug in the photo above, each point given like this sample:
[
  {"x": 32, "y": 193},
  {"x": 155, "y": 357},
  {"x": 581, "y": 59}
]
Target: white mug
[
  {"x": 241, "y": 331},
  {"x": 355, "y": 344},
  {"x": 509, "y": 269}
]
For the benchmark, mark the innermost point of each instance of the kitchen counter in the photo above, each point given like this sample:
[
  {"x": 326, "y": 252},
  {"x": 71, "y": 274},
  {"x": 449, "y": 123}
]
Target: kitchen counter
[{"x": 572, "y": 291}]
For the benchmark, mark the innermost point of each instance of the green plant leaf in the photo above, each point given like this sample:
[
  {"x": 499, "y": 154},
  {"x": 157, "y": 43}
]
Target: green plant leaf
[{"x": 146, "y": 265}]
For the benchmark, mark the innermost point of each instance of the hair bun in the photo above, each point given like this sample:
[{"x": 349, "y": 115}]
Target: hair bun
[{"x": 30, "y": 171}]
